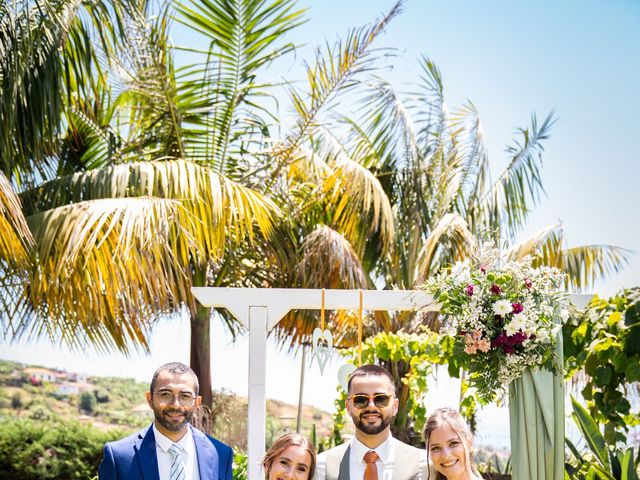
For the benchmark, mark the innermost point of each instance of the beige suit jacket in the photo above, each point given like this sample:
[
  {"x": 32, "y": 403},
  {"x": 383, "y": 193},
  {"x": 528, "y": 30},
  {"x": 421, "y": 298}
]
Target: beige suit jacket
[{"x": 408, "y": 463}]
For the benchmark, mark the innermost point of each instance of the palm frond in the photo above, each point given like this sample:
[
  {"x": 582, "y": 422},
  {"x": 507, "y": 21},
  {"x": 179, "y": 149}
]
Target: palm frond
[
  {"x": 432, "y": 110},
  {"x": 329, "y": 261},
  {"x": 584, "y": 264},
  {"x": 16, "y": 239},
  {"x": 475, "y": 170},
  {"x": 452, "y": 235},
  {"x": 334, "y": 71},
  {"x": 548, "y": 240},
  {"x": 31, "y": 36},
  {"x": 587, "y": 264},
  {"x": 359, "y": 205},
  {"x": 509, "y": 199},
  {"x": 115, "y": 252},
  {"x": 390, "y": 129},
  {"x": 224, "y": 210},
  {"x": 245, "y": 36}
]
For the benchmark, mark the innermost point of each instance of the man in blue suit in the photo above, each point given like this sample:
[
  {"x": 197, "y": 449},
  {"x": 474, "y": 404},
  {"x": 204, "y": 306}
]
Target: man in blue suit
[{"x": 170, "y": 448}]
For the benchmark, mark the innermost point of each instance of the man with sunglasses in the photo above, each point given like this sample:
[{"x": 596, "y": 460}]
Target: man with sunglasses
[
  {"x": 373, "y": 454},
  {"x": 170, "y": 448}
]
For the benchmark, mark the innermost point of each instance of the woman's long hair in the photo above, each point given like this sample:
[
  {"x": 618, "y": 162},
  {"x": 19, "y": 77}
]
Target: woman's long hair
[
  {"x": 284, "y": 442},
  {"x": 455, "y": 421}
]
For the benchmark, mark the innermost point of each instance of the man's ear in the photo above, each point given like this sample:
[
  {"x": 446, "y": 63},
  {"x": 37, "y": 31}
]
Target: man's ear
[
  {"x": 149, "y": 399},
  {"x": 396, "y": 404},
  {"x": 198, "y": 401},
  {"x": 347, "y": 406}
]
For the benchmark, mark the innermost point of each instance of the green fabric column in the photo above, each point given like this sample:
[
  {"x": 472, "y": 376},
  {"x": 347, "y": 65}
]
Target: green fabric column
[{"x": 536, "y": 417}]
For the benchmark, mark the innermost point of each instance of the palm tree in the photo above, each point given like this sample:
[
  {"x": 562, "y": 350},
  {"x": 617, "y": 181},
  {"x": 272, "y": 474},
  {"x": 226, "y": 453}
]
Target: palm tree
[
  {"x": 128, "y": 172},
  {"x": 426, "y": 193}
]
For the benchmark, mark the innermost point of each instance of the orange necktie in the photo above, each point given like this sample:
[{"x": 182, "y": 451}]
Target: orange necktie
[{"x": 371, "y": 470}]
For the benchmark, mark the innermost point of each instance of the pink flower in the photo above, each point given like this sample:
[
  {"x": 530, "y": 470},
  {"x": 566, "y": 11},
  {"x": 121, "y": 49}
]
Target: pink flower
[
  {"x": 473, "y": 342},
  {"x": 469, "y": 290},
  {"x": 484, "y": 345},
  {"x": 495, "y": 289},
  {"x": 528, "y": 283}
]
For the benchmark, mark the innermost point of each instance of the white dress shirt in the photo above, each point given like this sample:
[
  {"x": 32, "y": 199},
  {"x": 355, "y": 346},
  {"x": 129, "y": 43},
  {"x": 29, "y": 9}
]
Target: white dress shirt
[
  {"x": 189, "y": 456},
  {"x": 385, "y": 462}
]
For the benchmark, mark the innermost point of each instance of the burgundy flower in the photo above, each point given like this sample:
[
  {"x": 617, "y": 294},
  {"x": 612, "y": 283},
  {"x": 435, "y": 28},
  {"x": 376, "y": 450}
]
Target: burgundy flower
[
  {"x": 528, "y": 283},
  {"x": 517, "y": 308},
  {"x": 518, "y": 338},
  {"x": 495, "y": 289},
  {"x": 469, "y": 290},
  {"x": 483, "y": 269},
  {"x": 508, "y": 343}
]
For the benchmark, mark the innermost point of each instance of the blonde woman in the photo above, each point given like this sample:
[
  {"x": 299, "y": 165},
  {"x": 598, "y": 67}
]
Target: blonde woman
[
  {"x": 291, "y": 457},
  {"x": 450, "y": 446}
]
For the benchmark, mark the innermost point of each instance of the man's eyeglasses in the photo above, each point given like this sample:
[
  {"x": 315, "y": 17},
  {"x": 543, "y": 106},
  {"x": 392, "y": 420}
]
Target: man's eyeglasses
[
  {"x": 185, "y": 399},
  {"x": 380, "y": 400}
]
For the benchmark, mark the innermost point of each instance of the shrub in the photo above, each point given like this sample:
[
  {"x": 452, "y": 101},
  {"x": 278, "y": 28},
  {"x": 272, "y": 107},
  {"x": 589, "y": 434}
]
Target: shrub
[
  {"x": 240, "y": 468},
  {"x": 87, "y": 402},
  {"x": 35, "y": 450},
  {"x": 16, "y": 401}
]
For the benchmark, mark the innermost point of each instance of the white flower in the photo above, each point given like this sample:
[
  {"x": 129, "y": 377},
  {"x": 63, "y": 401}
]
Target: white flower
[
  {"x": 461, "y": 272},
  {"x": 518, "y": 323},
  {"x": 564, "y": 315},
  {"x": 502, "y": 307}
]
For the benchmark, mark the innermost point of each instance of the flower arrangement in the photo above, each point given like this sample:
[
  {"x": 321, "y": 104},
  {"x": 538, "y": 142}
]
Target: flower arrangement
[{"x": 501, "y": 316}]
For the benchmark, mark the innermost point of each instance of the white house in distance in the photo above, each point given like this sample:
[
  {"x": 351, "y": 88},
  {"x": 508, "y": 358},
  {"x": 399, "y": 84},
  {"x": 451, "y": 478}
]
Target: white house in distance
[{"x": 41, "y": 374}]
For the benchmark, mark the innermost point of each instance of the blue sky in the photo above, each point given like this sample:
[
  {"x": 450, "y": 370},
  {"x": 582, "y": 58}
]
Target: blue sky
[{"x": 578, "y": 58}]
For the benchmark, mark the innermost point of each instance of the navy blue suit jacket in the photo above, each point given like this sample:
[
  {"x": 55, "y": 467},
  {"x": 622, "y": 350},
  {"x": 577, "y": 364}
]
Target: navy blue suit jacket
[{"x": 134, "y": 457}]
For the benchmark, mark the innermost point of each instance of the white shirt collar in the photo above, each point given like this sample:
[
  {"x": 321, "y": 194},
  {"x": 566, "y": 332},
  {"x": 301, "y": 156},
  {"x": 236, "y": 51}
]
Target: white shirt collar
[
  {"x": 384, "y": 450},
  {"x": 164, "y": 442}
]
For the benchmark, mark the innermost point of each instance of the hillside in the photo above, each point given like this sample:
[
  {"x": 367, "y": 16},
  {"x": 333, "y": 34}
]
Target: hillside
[{"x": 42, "y": 393}]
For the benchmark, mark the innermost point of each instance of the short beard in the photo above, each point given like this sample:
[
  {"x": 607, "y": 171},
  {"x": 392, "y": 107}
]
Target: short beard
[
  {"x": 372, "y": 429},
  {"x": 172, "y": 427}
]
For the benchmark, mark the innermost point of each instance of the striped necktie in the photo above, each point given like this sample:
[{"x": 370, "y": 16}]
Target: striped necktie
[{"x": 177, "y": 466}]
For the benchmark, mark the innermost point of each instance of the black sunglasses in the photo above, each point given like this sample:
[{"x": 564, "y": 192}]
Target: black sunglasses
[{"x": 360, "y": 400}]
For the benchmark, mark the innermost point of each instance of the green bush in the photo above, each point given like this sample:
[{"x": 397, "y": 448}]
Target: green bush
[
  {"x": 16, "y": 401},
  {"x": 35, "y": 450},
  {"x": 240, "y": 468},
  {"x": 605, "y": 342}
]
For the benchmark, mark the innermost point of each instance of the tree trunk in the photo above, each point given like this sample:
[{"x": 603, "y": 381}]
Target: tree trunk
[{"x": 201, "y": 351}]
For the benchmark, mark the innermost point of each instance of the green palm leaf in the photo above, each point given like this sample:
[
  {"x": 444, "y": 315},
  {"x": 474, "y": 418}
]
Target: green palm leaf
[
  {"x": 508, "y": 201},
  {"x": 591, "y": 433},
  {"x": 31, "y": 36},
  {"x": 244, "y": 36},
  {"x": 334, "y": 71}
]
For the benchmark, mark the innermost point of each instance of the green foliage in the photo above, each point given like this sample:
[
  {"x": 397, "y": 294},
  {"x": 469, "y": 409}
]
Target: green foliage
[
  {"x": 240, "y": 465},
  {"x": 87, "y": 402},
  {"x": 603, "y": 460},
  {"x": 410, "y": 359},
  {"x": 41, "y": 413},
  {"x": 605, "y": 341},
  {"x": 35, "y": 450},
  {"x": 101, "y": 396},
  {"x": 16, "y": 401}
]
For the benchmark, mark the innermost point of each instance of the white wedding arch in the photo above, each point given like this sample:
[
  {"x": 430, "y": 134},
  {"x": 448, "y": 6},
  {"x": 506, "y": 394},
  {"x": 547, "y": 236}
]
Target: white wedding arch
[{"x": 260, "y": 309}]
